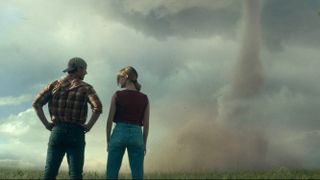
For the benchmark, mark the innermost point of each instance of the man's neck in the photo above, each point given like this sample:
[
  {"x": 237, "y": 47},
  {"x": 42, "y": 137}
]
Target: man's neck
[{"x": 72, "y": 76}]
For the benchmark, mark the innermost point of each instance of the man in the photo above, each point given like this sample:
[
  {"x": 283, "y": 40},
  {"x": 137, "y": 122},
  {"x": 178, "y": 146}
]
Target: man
[{"x": 68, "y": 105}]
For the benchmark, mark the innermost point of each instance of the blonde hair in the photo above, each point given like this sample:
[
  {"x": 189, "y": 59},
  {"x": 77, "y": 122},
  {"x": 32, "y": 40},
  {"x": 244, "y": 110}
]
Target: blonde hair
[{"x": 132, "y": 76}]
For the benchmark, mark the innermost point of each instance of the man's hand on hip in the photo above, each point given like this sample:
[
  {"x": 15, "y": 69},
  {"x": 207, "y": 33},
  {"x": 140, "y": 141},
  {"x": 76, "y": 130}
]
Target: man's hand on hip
[{"x": 49, "y": 126}]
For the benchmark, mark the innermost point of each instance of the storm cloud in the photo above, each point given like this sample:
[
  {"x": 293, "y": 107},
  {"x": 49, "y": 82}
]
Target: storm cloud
[{"x": 282, "y": 22}]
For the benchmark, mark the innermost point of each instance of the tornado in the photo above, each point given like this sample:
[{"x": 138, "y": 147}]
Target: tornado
[
  {"x": 228, "y": 141},
  {"x": 247, "y": 80},
  {"x": 248, "y": 77}
]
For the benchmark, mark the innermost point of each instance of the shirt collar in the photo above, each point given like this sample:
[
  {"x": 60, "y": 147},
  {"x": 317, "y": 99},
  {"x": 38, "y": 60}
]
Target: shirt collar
[{"x": 71, "y": 82}]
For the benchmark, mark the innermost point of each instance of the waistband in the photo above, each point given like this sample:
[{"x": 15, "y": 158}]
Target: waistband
[
  {"x": 127, "y": 125},
  {"x": 68, "y": 124}
]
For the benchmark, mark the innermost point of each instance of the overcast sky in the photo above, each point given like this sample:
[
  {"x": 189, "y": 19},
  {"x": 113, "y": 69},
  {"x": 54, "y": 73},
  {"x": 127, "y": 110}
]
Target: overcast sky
[{"x": 186, "y": 53}]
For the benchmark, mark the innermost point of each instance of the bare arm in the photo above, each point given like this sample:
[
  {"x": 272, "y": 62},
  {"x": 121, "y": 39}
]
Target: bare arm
[
  {"x": 146, "y": 127},
  {"x": 43, "y": 118},
  {"x": 112, "y": 112}
]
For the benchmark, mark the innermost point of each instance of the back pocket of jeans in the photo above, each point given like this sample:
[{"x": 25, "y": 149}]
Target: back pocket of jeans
[{"x": 56, "y": 138}]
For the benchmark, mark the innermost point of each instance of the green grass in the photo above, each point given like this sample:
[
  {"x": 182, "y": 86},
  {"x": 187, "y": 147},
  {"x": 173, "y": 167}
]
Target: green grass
[{"x": 281, "y": 173}]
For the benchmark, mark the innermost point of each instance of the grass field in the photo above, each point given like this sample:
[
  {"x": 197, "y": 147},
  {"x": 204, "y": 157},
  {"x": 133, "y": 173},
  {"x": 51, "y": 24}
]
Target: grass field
[{"x": 281, "y": 173}]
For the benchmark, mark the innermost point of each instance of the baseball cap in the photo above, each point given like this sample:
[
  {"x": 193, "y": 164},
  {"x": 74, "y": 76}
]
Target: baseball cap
[{"x": 75, "y": 63}]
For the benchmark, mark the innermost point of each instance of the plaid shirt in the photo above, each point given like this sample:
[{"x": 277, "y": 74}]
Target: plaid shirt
[{"x": 68, "y": 100}]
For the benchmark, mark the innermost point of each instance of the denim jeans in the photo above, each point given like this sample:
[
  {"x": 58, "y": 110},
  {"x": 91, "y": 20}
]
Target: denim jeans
[
  {"x": 67, "y": 139},
  {"x": 125, "y": 136}
]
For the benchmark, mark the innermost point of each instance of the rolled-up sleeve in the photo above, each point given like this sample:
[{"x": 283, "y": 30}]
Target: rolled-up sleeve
[
  {"x": 42, "y": 98},
  {"x": 94, "y": 101}
]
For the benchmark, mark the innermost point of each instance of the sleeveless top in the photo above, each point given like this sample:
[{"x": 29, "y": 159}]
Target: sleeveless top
[{"x": 130, "y": 107}]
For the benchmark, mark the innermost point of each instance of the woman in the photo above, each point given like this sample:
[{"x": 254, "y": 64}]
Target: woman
[{"x": 130, "y": 111}]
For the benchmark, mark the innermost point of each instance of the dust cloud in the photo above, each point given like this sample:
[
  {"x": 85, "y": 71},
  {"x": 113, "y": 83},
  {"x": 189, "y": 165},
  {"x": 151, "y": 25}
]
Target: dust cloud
[{"x": 228, "y": 141}]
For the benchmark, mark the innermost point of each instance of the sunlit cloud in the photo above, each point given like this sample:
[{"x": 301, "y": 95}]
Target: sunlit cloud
[{"x": 14, "y": 100}]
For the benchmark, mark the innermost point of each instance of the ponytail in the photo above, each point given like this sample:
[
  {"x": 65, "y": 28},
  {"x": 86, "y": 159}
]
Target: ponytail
[{"x": 137, "y": 85}]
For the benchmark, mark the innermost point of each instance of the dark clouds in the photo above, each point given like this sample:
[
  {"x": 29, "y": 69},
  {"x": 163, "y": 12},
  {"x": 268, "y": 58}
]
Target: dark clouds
[
  {"x": 291, "y": 21},
  {"x": 191, "y": 22},
  {"x": 161, "y": 23},
  {"x": 286, "y": 21}
]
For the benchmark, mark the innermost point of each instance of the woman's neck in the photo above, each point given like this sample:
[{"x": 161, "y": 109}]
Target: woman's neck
[{"x": 130, "y": 86}]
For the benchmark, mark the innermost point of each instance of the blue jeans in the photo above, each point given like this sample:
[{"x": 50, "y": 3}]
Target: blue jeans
[
  {"x": 125, "y": 136},
  {"x": 67, "y": 139}
]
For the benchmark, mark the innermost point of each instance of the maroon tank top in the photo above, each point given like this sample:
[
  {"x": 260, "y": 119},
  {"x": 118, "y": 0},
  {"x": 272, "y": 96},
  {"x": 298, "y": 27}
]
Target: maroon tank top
[{"x": 130, "y": 106}]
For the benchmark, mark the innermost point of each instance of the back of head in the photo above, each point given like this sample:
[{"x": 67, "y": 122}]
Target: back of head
[
  {"x": 74, "y": 64},
  {"x": 132, "y": 76}
]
